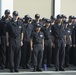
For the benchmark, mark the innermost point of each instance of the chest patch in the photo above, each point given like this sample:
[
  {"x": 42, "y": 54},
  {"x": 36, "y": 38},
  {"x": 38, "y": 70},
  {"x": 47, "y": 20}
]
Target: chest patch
[
  {"x": 20, "y": 26},
  {"x": 73, "y": 26},
  {"x": 50, "y": 30},
  {"x": 68, "y": 31},
  {"x": 41, "y": 35}
]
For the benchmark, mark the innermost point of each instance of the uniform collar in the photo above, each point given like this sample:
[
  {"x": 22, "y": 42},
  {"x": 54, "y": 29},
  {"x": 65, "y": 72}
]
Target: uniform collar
[{"x": 59, "y": 26}]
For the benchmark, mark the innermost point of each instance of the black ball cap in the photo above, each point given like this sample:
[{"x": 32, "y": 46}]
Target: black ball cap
[
  {"x": 59, "y": 17},
  {"x": 15, "y": 13},
  {"x": 64, "y": 17},
  {"x": 43, "y": 19},
  {"x": 52, "y": 17},
  {"x": 27, "y": 17},
  {"x": 7, "y": 11},
  {"x": 38, "y": 25},
  {"x": 37, "y": 16},
  {"x": 74, "y": 17},
  {"x": 47, "y": 21},
  {"x": 70, "y": 17}
]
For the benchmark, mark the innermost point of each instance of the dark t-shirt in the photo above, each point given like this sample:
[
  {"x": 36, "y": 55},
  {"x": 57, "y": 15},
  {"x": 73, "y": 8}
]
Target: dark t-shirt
[
  {"x": 15, "y": 29},
  {"x": 37, "y": 37}
]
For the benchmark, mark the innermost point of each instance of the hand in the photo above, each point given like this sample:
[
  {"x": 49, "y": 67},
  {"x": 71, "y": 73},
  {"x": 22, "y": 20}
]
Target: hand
[
  {"x": 21, "y": 43},
  {"x": 73, "y": 45},
  {"x": 43, "y": 49},
  {"x": 70, "y": 45},
  {"x": 7, "y": 44},
  {"x": 53, "y": 45},
  {"x": 31, "y": 49},
  {"x": 65, "y": 45}
]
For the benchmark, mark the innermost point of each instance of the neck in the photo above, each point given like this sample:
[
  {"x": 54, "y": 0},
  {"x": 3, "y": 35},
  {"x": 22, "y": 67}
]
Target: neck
[
  {"x": 47, "y": 26},
  {"x": 59, "y": 23},
  {"x": 37, "y": 31},
  {"x": 66, "y": 27},
  {"x": 37, "y": 21},
  {"x": 7, "y": 18},
  {"x": 27, "y": 23},
  {"x": 15, "y": 20}
]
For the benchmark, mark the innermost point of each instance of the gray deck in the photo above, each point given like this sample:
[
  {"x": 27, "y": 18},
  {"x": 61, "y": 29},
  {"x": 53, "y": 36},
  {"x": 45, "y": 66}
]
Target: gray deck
[{"x": 68, "y": 71}]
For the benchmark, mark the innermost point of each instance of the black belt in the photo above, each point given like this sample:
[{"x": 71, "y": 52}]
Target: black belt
[
  {"x": 46, "y": 39},
  {"x": 36, "y": 43},
  {"x": 15, "y": 37},
  {"x": 59, "y": 38}
]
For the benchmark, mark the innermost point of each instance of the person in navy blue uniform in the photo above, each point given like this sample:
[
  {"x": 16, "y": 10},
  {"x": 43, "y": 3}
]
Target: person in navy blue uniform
[
  {"x": 43, "y": 21},
  {"x": 58, "y": 35},
  {"x": 4, "y": 51},
  {"x": 26, "y": 51},
  {"x": 73, "y": 50},
  {"x": 15, "y": 41},
  {"x": 74, "y": 45},
  {"x": 68, "y": 44},
  {"x": 36, "y": 21},
  {"x": 37, "y": 45},
  {"x": 52, "y": 21},
  {"x": 71, "y": 25},
  {"x": 48, "y": 42}
]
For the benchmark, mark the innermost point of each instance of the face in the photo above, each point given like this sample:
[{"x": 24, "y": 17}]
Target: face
[
  {"x": 15, "y": 17},
  {"x": 66, "y": 25},
  {"x": 38, "y": 28},
  {"x": 27, "y": 21},
  {"x": 74, "y": 20},
  {"x": 52, "y": 22},
  {"x": 70, "y": 20},
  {"x": 47, "y": 24},
  {"x": 64, "y": 19},
  {"x": 59, "y": 20},
  {"x": 7, "y": 15},
  {"x": 43, "y": 22},
  {"x": 37, "y": 19}
]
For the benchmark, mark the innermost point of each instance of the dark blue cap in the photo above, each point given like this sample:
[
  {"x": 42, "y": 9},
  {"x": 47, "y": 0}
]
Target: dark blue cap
[
  {"x": 7, "y": 11},
  {"x": 15, "y": 13},
  {"x": 64, "y": 17},
  {"x": 37, "y": 16},
  {"x": 70, "y": 17},
  {"x": 43, "y": 19},
  {"x": 47, "y": 21},
  {"x": 52, "y": 17},
  {"x": 74, "y": 17},
  {"x": 27, "y": 17},
  {"x": 59, "y": 17},
  {"x": 38, "y": 25}
]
